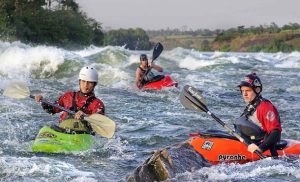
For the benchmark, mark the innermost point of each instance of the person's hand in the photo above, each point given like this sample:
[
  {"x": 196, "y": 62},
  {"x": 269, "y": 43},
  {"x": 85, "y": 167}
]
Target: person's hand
[
  {"x": 139, "y": 84},
  {"x": 252, "y": 148},
  {"x": 79, "y": 115},
  {"x": 38, "y": 98}
]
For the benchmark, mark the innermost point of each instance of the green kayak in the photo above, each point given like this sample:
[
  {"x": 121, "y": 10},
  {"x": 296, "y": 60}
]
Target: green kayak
[{"x": 56, "y": 140}]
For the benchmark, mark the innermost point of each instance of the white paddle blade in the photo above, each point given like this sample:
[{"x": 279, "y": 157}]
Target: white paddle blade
[
  {"x": 102, "y": 125},
  {"x": 17, "y": 90}
]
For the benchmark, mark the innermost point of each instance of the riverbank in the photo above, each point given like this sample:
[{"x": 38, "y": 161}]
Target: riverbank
[{"x": 283, "y": 41}]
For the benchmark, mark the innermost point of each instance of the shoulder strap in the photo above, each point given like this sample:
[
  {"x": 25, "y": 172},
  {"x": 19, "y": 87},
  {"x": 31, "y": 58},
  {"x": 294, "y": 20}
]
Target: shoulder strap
[
  {"x": 142, "y": 69},
  {"x": 87, "y": 103},
  {"x": 251, "y": 108},
  {"x": 74, "y": 105}
]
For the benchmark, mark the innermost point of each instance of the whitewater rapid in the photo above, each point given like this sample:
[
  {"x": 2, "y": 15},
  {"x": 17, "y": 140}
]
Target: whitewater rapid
[{"x": 146, "y": 121}]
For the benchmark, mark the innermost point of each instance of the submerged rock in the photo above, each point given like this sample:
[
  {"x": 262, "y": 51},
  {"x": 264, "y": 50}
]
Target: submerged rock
[{"x": 166, "y": 163}]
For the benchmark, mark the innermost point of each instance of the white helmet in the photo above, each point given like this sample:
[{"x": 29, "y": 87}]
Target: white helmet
[{"x": 89, "y": 74}]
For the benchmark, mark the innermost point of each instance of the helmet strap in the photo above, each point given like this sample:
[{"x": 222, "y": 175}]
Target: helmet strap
[{"x": 257, "y": 90}]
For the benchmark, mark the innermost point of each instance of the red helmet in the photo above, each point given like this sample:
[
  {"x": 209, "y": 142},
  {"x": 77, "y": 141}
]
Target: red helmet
[{"x": 253, "y": 81}]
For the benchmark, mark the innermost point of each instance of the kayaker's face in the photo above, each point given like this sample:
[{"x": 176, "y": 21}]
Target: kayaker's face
[
  {"x": 86, "y": 86},
  {"x": 144, "y": 62},
  {"x": 248, "y": 94}
]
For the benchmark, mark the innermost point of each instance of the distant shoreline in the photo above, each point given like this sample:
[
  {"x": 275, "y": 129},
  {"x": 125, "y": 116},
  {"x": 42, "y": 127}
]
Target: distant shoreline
[{"x": 234, "y": 40}]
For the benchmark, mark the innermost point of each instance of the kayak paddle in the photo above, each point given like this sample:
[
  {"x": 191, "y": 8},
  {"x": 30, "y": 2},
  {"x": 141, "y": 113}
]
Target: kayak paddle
[
  {"x": 191, "y": 98},
  {"x": 158, "y": 48},
  {"x": 101, "y": 124}
]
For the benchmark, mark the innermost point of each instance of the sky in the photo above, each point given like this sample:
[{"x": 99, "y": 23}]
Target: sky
[{"x": 190, "y": 14}]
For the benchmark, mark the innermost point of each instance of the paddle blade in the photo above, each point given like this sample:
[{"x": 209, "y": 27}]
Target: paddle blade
[
  {"x": 157, "y": 51},
  {"x": 17, "y": 90},
  {"x": 102, "y": 125},
  {"x": 191, "y": 98}
]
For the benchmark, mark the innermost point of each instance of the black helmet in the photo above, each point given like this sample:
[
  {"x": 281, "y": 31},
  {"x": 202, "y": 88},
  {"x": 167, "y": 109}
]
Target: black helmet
[
  {"x": 143, "y": 56},
  {"x": 253, "y": 81}
]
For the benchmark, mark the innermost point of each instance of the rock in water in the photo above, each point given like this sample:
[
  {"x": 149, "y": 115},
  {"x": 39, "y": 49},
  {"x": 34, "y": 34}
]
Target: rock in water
[{"x": 166, "y": 163}]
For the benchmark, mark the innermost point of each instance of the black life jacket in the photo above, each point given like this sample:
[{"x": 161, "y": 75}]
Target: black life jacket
[
  {"x": 247, "y": 128},
  {"x": 148, "y": 77}
]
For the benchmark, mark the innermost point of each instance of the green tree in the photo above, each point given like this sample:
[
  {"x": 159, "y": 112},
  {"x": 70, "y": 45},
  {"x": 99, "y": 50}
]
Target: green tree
[
  {"x": 37, "y": 21},
  {"x": 134, "y": 39}
]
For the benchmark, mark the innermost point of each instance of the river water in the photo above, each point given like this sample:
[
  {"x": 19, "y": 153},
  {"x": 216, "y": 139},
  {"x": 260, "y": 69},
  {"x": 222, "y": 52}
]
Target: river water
[{"x": 146, "y": 121}]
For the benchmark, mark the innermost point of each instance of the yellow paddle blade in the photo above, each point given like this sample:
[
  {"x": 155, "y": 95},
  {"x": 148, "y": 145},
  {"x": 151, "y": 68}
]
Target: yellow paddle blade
[
  {"x": 102, "y": 125},
  {"x": 17, "y": 90}
]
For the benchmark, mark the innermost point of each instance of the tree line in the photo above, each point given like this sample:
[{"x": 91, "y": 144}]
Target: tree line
[
  {"x": 222, "y": 33},
  {"x": 61, "y": 23}
]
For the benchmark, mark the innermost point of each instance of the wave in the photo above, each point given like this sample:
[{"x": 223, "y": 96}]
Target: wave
[{"x": 116, "y": 65}]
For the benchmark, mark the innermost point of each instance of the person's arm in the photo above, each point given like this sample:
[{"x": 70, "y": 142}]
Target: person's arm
[
  {"x": 268, "y": 115},
  {"x": 270, "y": 140},
  {"x": 156, "y": 67},
  {"x": 48, "y": 108},
  {"x": 138, "y": 78},
  {"x": 99, "y": 108}
]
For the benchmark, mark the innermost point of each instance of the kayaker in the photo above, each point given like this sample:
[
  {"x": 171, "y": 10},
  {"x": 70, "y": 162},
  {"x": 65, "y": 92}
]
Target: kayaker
[
  {"x": 260, "y": 121},
  {"x": 141, "y": 78},
  {"x": 83, "y": 102}
]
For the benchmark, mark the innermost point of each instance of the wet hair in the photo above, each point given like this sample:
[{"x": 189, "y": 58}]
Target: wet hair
[{"x": 143, "y": 56}]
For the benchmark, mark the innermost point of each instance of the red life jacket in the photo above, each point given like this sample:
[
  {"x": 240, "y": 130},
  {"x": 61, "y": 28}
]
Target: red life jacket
[
  {"x": 264, "y": 114},
  {"x": 76, "y": 101}
]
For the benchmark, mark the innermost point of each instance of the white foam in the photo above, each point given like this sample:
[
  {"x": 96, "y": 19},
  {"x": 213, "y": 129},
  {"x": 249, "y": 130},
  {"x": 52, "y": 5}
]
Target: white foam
[
  {"x": 90, "y": 51},
  {"x": 291, "y": 60},
  {"x": 47, "y": 167},
  {"x": 191, "y": 63},
  {"x": 19, "y": 61},
  {"x": 252, "y": 170},
  {"x": 295, "y": 89}
]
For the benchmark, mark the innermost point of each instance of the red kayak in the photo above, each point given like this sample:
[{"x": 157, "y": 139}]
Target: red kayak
[
  {"x": 158, "y": 85},
  {"x": 203, "y": 150},
  {"x": 218, "y": 146}
]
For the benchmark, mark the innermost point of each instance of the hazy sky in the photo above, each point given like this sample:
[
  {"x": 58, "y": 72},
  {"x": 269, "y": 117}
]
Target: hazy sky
[{"x": 195, "y": 14}]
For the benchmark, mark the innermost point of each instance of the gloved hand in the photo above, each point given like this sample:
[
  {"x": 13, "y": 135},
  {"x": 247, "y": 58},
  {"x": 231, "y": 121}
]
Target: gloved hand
[
  {"x": 38, "y": 98},
  {"x": 139, "y": 85},
  {"x": 252, "y": 148},
  {"x": 79, "y": 115}
]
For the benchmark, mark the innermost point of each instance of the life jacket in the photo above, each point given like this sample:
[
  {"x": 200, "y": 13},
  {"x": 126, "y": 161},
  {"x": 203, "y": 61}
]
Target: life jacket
[
  {"x": 249, "y": 129},
  {"x": 148, "y": 77},
  {"x": 73, "y": 124}
]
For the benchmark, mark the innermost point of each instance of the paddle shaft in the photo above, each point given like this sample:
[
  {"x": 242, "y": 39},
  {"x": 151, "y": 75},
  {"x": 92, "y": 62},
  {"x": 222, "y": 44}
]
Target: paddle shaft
[{"x": 54, "y": 105}]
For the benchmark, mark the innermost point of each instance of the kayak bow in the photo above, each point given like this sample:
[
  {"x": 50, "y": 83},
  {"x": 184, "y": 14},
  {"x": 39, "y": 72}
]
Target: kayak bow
[
  {"x": 158, "y": 85},
  {"x": 55, "y": 140},
  {"x": 218, "y": 146}
]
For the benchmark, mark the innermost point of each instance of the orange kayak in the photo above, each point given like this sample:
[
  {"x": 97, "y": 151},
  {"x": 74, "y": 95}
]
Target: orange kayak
[
  {"x": 158, "y": 85},
  {"x": 218, "y": 146}
]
